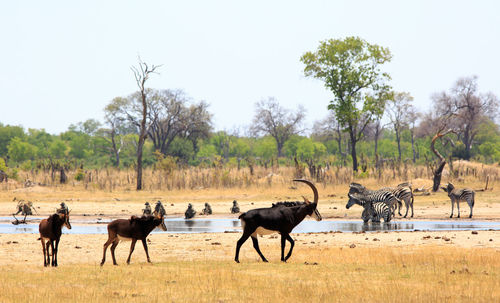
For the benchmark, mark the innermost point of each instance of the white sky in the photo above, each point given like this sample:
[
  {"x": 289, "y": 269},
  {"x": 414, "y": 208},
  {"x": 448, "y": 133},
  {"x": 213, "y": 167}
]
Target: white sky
[{"x": 63, "y": 61}]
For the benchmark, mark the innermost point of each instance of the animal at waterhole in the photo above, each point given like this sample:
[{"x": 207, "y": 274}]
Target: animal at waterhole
[
  {"x": 133, "y": 229},
  {"x": 279, "y": 219},
  {"x": 50, "y": 234},
  {"x": 382, "y": 195},
  {"x": 456, "y": 195}
]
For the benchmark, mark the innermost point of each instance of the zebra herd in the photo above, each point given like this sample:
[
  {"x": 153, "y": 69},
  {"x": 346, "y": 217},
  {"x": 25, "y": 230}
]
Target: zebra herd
[{"x": 382, "y": 203}]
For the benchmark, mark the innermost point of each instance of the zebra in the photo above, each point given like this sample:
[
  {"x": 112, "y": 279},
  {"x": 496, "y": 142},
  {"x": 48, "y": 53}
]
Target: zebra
[
  {"x": 317, "y": 215},
  {"x": 372, "y": 210},
  {"x": 403, "y": 192},
  {"x": 381, "y": 195},
  {"x": 457, "y": 195}
]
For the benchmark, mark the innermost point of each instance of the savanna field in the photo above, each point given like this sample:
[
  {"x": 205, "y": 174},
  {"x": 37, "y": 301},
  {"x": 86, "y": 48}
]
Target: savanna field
[{"x": 444, "y": 266}]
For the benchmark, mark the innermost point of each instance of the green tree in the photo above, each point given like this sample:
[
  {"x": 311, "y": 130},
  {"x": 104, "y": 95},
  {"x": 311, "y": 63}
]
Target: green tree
[
  {"x": 57, "y": 149},
  {"x": 350, "y": 68},
  {"x": 266, "y": 148},
  {"x": 20, "y": 151},
  {"x": 8, "y": 132}
]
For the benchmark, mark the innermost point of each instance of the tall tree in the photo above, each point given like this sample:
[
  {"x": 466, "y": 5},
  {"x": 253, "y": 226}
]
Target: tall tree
[
  {"x": 142, "y": 72},
  {"x": 329, "y": 129},
  {"x": 398, "y": 111},
  {"x": 278, "y": 122},
  {"x": 350, "y": 68},
  {"x": 115, "y": 131},
  {"x": 469, "y": 108}
]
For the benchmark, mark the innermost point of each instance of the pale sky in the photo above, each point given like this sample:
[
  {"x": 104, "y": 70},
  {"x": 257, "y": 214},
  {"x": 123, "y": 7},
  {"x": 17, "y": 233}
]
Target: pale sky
[{"x": 63, "y": 61}]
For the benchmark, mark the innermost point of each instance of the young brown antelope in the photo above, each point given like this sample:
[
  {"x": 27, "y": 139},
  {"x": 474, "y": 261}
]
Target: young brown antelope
[
  {"x": 133, "y": 229},
  {"x": 50, "y": 232}
]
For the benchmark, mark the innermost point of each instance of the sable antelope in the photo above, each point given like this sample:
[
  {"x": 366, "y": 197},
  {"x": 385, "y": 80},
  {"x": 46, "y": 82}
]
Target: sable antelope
[
  {"x": 281, "y": 219},
  {"x": 50, "y": 231},
  {"x": 133, "y": 229}
]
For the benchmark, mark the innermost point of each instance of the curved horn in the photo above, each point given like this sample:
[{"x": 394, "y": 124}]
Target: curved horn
[{"x": 315, "y": 191}]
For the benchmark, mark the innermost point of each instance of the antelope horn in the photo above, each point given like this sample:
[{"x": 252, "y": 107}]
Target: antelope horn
[{"x": 315, "y": 191}]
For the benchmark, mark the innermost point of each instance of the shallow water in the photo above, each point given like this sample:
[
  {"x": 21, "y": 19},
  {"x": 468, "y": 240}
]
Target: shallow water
[{"x": 179, "y": 225}]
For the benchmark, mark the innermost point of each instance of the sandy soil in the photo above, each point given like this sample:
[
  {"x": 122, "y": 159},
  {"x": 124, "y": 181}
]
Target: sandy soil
[
  {"x": 87, "y": 249},
  {"x": 25, "y": 248}
]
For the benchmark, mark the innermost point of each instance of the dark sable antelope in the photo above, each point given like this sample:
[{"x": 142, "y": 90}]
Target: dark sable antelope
[
  {"x": 280, "y": 219},
  {"x": 50, "y": 232},
  {"x": 133, "y": 229}
]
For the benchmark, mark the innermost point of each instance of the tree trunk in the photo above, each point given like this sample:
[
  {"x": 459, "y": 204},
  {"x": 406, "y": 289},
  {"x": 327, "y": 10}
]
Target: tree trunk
[
  {"x": 353, "y": 151},
  {"x": 139, "y": 164},
  {"x": 442, "y": 160},
  {"x": 142, "y": 138},
  {"x": 436, "y": 181},
  {"x": 398, "y": 139},
  {"x": 413, "y": 147},
  {"x": 376, "y": 147}
]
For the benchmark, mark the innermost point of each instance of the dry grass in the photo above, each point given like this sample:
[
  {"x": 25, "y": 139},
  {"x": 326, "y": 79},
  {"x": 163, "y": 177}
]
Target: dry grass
[
  {"x": 195, "y": 178},
  {"x": 428, "y": 274}
]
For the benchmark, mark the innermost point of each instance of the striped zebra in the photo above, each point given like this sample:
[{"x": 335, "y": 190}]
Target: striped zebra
[
  {"x": 403, "y": 192},
  {"x": 457, "y": 195},
  {"x": 381, "y": 195},
  {"x": 316, "y": 215},
  {"x": 371, "y": 210}
]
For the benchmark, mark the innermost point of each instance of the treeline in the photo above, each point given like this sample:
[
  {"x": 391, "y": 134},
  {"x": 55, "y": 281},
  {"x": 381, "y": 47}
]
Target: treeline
[{"x": 368, "y": 124}]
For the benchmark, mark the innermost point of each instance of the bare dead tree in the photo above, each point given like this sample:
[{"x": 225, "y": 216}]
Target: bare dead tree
[
  {"x": 438, "y": 169},
  {"x": 113, "y": 135},
  {"x": 142, "y": 73},
  {"x": 329, "y": 129},
  {"x": 398, "y": 109},
  {"x": 470, "y": 109},
  {"x": 280, "y": 123},
  {"x": 413, "y": 117},
  {"x": 168, "y": 112}
]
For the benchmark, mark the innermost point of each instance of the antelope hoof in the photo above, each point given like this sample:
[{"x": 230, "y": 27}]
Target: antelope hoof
[
  {"x": 451, "y": 216},
  {"x": 458, "y": 216},
  {"x": 237, "y": 261},
  {"x": 470, "y": 216}
]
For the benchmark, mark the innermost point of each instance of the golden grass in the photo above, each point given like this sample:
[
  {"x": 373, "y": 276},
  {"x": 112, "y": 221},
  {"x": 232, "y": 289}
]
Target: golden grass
[
  {"x": 386, "y": 274},
  {"x": 196, "y": 178}
]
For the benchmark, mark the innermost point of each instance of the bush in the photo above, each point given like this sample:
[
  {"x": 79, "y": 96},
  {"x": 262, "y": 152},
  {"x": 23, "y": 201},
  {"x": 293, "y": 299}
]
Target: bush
[{"x": 80, "y": 175}]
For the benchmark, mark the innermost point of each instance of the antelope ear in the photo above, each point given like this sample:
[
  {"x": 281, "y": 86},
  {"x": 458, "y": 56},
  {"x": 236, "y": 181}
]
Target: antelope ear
[{"x": 306, "y": 200}]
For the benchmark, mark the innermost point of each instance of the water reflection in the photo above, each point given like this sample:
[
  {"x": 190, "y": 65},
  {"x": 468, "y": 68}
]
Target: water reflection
[{"x": 180, "y": 225}]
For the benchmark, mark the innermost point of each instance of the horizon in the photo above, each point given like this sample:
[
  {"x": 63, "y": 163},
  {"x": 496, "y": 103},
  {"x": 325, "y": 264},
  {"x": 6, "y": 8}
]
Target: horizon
[{"x": 231, "y": 55}]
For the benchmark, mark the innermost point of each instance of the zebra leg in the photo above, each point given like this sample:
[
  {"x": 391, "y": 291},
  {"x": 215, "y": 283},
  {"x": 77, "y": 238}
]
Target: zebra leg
[
  {"x": 411, "y": 205},
  {"x": 471, "y": 204},
  {"x": 407, "y": 205},
  {"x": 458, "y": 207},
  {"x": 452, "y": 206}
]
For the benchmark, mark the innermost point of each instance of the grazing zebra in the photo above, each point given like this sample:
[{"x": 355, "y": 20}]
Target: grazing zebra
[
  {"x": 317, "y": 215},
  {"x": 371, "y": 210},
  {"x": 457, "y": 195},
  {"x": 403, "y": 192},
  {"x": 381, "y": 195}
]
